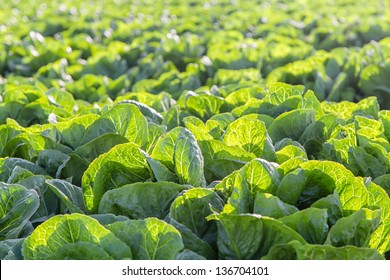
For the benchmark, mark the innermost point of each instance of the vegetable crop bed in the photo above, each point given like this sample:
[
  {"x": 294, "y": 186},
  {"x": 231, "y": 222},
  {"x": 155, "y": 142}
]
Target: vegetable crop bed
[{"x": 194, "y": 129}]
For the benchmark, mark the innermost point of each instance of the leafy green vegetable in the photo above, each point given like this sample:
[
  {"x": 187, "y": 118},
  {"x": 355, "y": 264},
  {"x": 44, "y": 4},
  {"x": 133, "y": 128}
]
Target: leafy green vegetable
[
  {"x": 256, "y": 176},
  {"x": 188, "y": 160},
  {"x": 311, "y": 223},
  {"x": 355, "y": 229},
  {"x": 123, "y": 119},
  {"x": 69, "y": 194},
  {"x": 220, "y": 160},
  {"x": 59, "y": 237},
  {"x": 247, "y": 236},
  {"x": 193, "y": 242},
  {"x": 11, "y": 249},
  {"x": 251, "y": 135},
  {"x": 122, "y": 165},
  {"x": 291, "y": 124},
  {"x": 296, "y": 251},
  {"x": 379, "y": 198},
  {"x": 192, "y": 208},
  {"x": 141, "y": 200},
  {"x": 17, "y": 205},
  {"x": 268, "y": 205},
  {"x": 149, "y": 239}
]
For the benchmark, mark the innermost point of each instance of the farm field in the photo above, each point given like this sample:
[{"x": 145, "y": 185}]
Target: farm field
[{"x": 192, "y": 130}]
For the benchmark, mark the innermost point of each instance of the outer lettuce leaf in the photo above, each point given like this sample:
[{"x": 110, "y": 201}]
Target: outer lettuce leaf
[
  {"x": 291, "y": 164},
  {"x": 333, "y": 206},
  {"x": 151, "y": 114},
  {"x": 53, "y": 161},
  {"x": 7, "y": 166},
  {"x": 17, "y": 205},
  {"x": 311, "y": 223},
  {"x": 240, "y": 200},
  {"x": 238, "y": 236},
  {"x": 141, "y": 200},
  {"x": 280, "y": 92},
  {"x": 193, "y": 242},
  {"x": 343, "y": 109},
  {"x": 11, "y": 249},
  {"x": 352, "y": 193},
  {"x": 123, "y": 164},
  {"x": 224, "y": 119},
  {"x": 149, "y": 239},
  {"x": 69, "y": 194},
  {"x": 203, "y": 105},
  {"x": 73, "y": 236},
  {"x": 192, "y": 207},
  {"x": 155, "y": 132},
  {"x": 258, "y": 175},
  {"x": 49, "y": 203},
  {"x": 7, "y": 132},
  {"x": 373, "y": 81},
  {"x": 280, "y": 98},
  {"x": 198, "y": 128},
  {"x": 161, "y": 173},
  {"x": 355, "y": 229},
  {"x": 318, "y": 132},
  {"x": 159, "y": 102},
  {"x": 261, "y": 175},
  {"x": 18, "y": 174},
  {"x": 189, "y": 255},
  {"x": 225, "y": 187},
  {"x": 296, "y": 251},
  {"x": 72, "y": 131},
  {"x": 123, "y": 119},
  {"x": 384, "y": 118},
  {"x": 380, "y": 239},
  {"x": 188, "y": 160},
  {"x": 289, "y": 152},
  {"x": 292, "y": 186},
  {"x": 173, "y": 117},
  {"x": 317, "y": 179},
  {"x": 180, "y": 153},
  {"x": 106, "y": 219},
  {"x": 291, "y": 124},
  {"x": 29, "y": 145},
  {"x": 100, "y": 145},
  {"x": 268, "y": 205},
  {"x": 75, "y": 168},
  {"x": 250, "y": 135},
  {"x": 220, "y": 160},
  {"x": 165, "y": 148},
  {"x": 248, "y": 236},
  {"x": 384, "y": 182}
]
